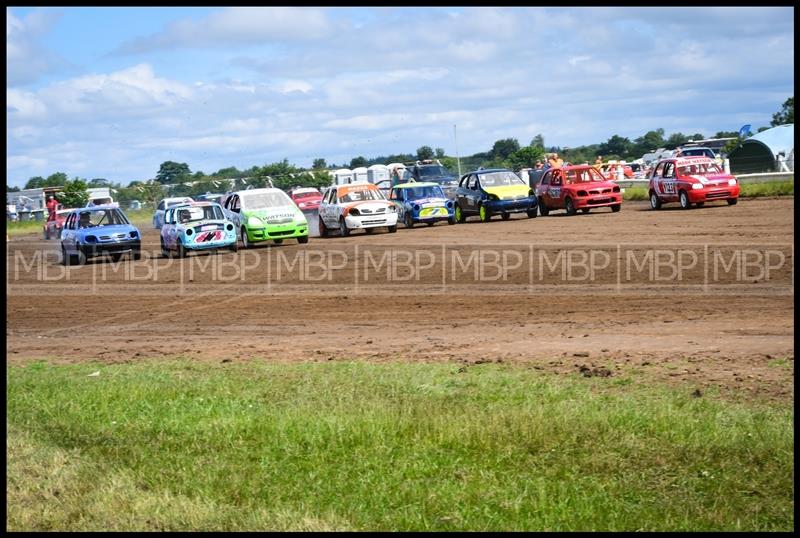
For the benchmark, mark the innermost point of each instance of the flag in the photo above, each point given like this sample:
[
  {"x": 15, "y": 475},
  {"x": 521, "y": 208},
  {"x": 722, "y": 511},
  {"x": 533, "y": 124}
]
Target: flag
[{"x": 744, "y": 130}]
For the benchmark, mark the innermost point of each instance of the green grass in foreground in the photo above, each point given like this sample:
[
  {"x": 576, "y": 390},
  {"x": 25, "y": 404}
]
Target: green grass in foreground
[
  {"x": 141, "y": 218},
  {"x": 330, "y": 446},
  {"x": 748, "y": 190}
]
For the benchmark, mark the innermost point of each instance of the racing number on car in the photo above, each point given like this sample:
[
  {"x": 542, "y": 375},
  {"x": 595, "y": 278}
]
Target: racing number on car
[
  {"x": 555, "y": 192},
  {"x": 668, "y": 187}
]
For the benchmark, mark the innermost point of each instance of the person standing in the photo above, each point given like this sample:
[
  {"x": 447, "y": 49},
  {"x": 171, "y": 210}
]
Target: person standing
[{"x": 52, "y": 206}]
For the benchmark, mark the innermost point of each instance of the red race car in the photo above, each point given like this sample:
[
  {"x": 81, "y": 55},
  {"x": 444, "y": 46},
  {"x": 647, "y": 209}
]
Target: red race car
[
  {"x": 691, "y": 180},
  {"x": 609, "y": 170},
  {"x": 307, "y": 199},
  {"x": 576, "y": 187},
  {"x": 54, "y": 224}
]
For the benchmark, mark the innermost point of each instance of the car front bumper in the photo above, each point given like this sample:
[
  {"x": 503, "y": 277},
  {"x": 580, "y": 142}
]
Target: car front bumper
[
  {"x": 278, "y": 231},
  {"x": 598, "y": 200},
  {"x": 200, "y": 241},
  {"x": 512, "y": 206},
  {"x": 371, "y": 221},
  {"x": 713, "y": 193},
  {"x": 111, "y": 247}
]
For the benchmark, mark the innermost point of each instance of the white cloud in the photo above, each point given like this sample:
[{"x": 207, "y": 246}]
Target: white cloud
[
  {"x": 236, "y": 26},
  {"x": 27, "y": 60}
]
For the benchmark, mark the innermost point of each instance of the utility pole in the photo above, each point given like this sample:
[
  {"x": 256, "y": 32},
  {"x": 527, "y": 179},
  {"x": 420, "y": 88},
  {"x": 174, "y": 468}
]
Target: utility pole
[{"x": 458, "y": 159}]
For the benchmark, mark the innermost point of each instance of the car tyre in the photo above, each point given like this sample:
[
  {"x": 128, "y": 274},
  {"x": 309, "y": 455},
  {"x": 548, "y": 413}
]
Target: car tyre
[
  {"x": 585, "y": 210},
  {"x": 451, "y": 220},
  {"x": 483, "y": 214},
  {"x": 569, "y": 206},
  {"x": 408, "y": 220},
  {"x": 733, "y": 201},
  {"x": 614, "y": 208},
  {"x": 344, "y": 231},
  {"x": 65, "y": 259},
  {"x": 543, "y": 210},
  {"x": 116, "y": 256},
  {"x": 302, "y": 239},
  {"x": 323, "y": 230},
  {"x": 392, "y": 229},
  {"x": 700, "y": 204},
  {"x": 655, "y": 201},
  {"x": 459, "y": 214},
  {"x": 245, "y": 241},
  {"x": 505, "y": 215},
  {"x": 532, "y": 213},
  {"x": 81, "y": 258},
  {"x": 234, "y": 247},
  {"x": 278, "y": 241},
  {"x": 683, "y": 198}
]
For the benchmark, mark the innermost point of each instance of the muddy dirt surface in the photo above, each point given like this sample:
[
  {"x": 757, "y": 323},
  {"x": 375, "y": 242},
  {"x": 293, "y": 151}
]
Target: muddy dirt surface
[{"x": 702, "y": 299}]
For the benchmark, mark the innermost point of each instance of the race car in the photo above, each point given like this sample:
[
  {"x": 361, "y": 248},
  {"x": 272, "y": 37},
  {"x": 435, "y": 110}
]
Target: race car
[
  {"x": 609, "y": 170},
  {"x": 355, "y": 206},
  {"x": 163, "y": 205},
  {"x": 98, "y": 230},
  {"x": 55, "y": 222},
  {"x": 423, "y": 202},
  {"x": 264, "y": 215},
  {"x": 307, "y": 199},
  {"x": 487, "y": 192},
  {"x": 196, "y": 226},
  {"x": 691, "y": 180},
  {"x": 576, "y": 187}
]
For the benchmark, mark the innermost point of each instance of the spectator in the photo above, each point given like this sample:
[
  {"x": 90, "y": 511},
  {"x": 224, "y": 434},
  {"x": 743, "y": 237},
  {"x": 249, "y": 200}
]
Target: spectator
[
  {"x": 782, "y": 166},
  {"x": 598, "y": 162},
  {"x": 677, "y": 153},
  {"x": 538, "y": 165},
  {"x": 52, "y": 206},
  {"x": 555, "y": 161}
]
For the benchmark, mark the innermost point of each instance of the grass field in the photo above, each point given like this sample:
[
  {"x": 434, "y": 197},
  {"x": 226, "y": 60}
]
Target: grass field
[{"x": 185, "y": 445}]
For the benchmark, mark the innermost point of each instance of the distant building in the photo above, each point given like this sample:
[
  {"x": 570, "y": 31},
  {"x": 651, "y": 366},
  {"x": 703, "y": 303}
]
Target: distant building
[{"x": 767, "y": 151}]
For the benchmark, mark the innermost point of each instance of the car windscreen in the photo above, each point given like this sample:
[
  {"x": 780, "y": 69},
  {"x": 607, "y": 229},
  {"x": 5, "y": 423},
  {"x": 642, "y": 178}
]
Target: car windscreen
[
  {"x": 416, "y": 193},
  {"x": 583, "y": 175},
  {"x": 434, "y": 170},
  {"x": 500, "y": 179},
  {"x": 195, "y": 214},
  {"x": 699, "y": 169},
  {"x": 362, "y": 195},
  {"x": 264, "y": 200},
  {"x": 101, "y": 217},
  {"x": 176, "y": 202},
  {"x": 307, "y": 195}
]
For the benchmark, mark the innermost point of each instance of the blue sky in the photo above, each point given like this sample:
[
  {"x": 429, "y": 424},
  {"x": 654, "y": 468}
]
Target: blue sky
[{"x": 114, "y": 92}]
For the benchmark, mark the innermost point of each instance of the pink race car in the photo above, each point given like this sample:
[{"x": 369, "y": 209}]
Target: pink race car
[{"x": 691, "y": 180}]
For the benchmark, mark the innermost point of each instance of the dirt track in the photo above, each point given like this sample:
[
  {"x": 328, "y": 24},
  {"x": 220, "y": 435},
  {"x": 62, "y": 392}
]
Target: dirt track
[{"x": 702, "y": 329}]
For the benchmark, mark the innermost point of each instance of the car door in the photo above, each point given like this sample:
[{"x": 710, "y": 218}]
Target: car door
[
  {"x": 554, "y": 197},
  {"x": 471, "y": 194},
  {"x": 542, "y": 187},
  {"x": 68, "y": 233},
  {"x": 664, "y": 179},
  {"x": 325, "y": 207},
  {"x": 396, "y": 196},
  {"x": 168, "y": 230}
]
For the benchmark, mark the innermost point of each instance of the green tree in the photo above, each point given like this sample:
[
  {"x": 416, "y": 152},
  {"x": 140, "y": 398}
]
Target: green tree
[
  {"x": 675, "y": 140},
  {"x": 11, "y": 189},
  {"x": 616, "y": 146},
  {"x": 36, "y": 182},
  {"x": 150, "y": 192},
  {"x": 727, "y": 134},
  {"x": 172, "y": 172},
  {"x": 650, "y": 140},
  {"x": 503, "y": 148},
  {"x": 786, "y": 113},
  {"x": 425, "y": 152},
  {"x": 439, "y": 153},
  {"x": 538, "y": 142},
  {"x": 230, "y": 172},
  {"x": 526, "y": 157},
  {"x": 319, "y": 164},
  {"x": 99, "y": 182},
  {"x": 355, "y": 162},
  {"x": 73, "y": 194}
]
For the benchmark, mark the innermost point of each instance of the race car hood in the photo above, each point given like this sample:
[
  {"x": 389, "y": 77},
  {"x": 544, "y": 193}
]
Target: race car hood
[
  {"x": 276, "y": 215},
  {"x": 110, "y": 229},
  {"x": 214, "y": 222},
  {"x": 432, "y": 201},
  {"x": 508, "y": 191},
  {"x": 368, "y": 204},
  {"x": 711, "y": 180}
]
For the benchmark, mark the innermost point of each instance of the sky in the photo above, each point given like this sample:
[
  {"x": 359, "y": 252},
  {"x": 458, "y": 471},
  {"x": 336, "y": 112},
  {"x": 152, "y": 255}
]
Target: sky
[{"x": 113, "y": 92}]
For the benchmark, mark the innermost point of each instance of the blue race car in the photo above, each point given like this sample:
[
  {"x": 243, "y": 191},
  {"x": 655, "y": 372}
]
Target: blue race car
[
  {"x": 98, "y": 230},
  {"x": 196, "y": 226},
  {"x": 423, "y": 202}
]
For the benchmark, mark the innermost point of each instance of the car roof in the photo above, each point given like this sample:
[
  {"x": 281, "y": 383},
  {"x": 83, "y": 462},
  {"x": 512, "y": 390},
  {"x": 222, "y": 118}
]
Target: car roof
[
  {"x": 304, "y": 190},
  {"x": 97, "y": 207},
  {"x": 411, "y": 184},
  {"x": 254, "y": 191},
  {"x": 488, "y": 170}
]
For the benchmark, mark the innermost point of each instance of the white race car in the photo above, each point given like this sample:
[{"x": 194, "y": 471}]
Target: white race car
[{"x": 353, "y": 206}]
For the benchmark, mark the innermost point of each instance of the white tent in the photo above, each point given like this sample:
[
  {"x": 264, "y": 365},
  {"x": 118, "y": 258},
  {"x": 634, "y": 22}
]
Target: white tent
[
  {"x": 360, "y": 174},
  {"x": 343, "y": 176},
  {"x": 377, "y": 172}
]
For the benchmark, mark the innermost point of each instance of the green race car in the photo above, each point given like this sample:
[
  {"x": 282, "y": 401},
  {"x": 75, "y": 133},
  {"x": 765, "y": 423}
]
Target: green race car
[{"x": 264, "y": 215}]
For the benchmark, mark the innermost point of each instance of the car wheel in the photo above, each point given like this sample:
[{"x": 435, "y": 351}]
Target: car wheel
[
  {"x": 344, "y": 231},
  {"x": 683, "y": 198},
  {"x": 408, "y": 220},
  {"x": 459, "y": 214},
  {"x": 116, "y": 256},
  {"x": 234, "y": 246},
  {"x": 543, "y": 210},
  {"x": 323, "y": 230},
  {"x": 245, "y": 241},
  {"x": 392, "y": 229},
  {"x": 655, "y": 201},
  {"x": 165, "y": 253},
  {"x": 483, "y": 214},
  {"x": 81, "y": 258},
  {"x": 136, "y": 254},
  {"x": 569, "y": 206},
  {"x": 302, "y": 239},
  {"x": 278, "y": 241},
  {"x": 532, "y": 213},
  {"x": 431, "y": 223},
  {"x": 451, "y": 220},
  {"x": 369, "y": 231},
  {"x": 181, "y": 249},
  {"x": 733, "y": 201},
  {"x": 65, "y": 259},
  {"x": 614, "y": 208},
  {"x": 700, "y": 204},
  {"x": 585, "y": 210},
  {"x": 505, "y": 216}
]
